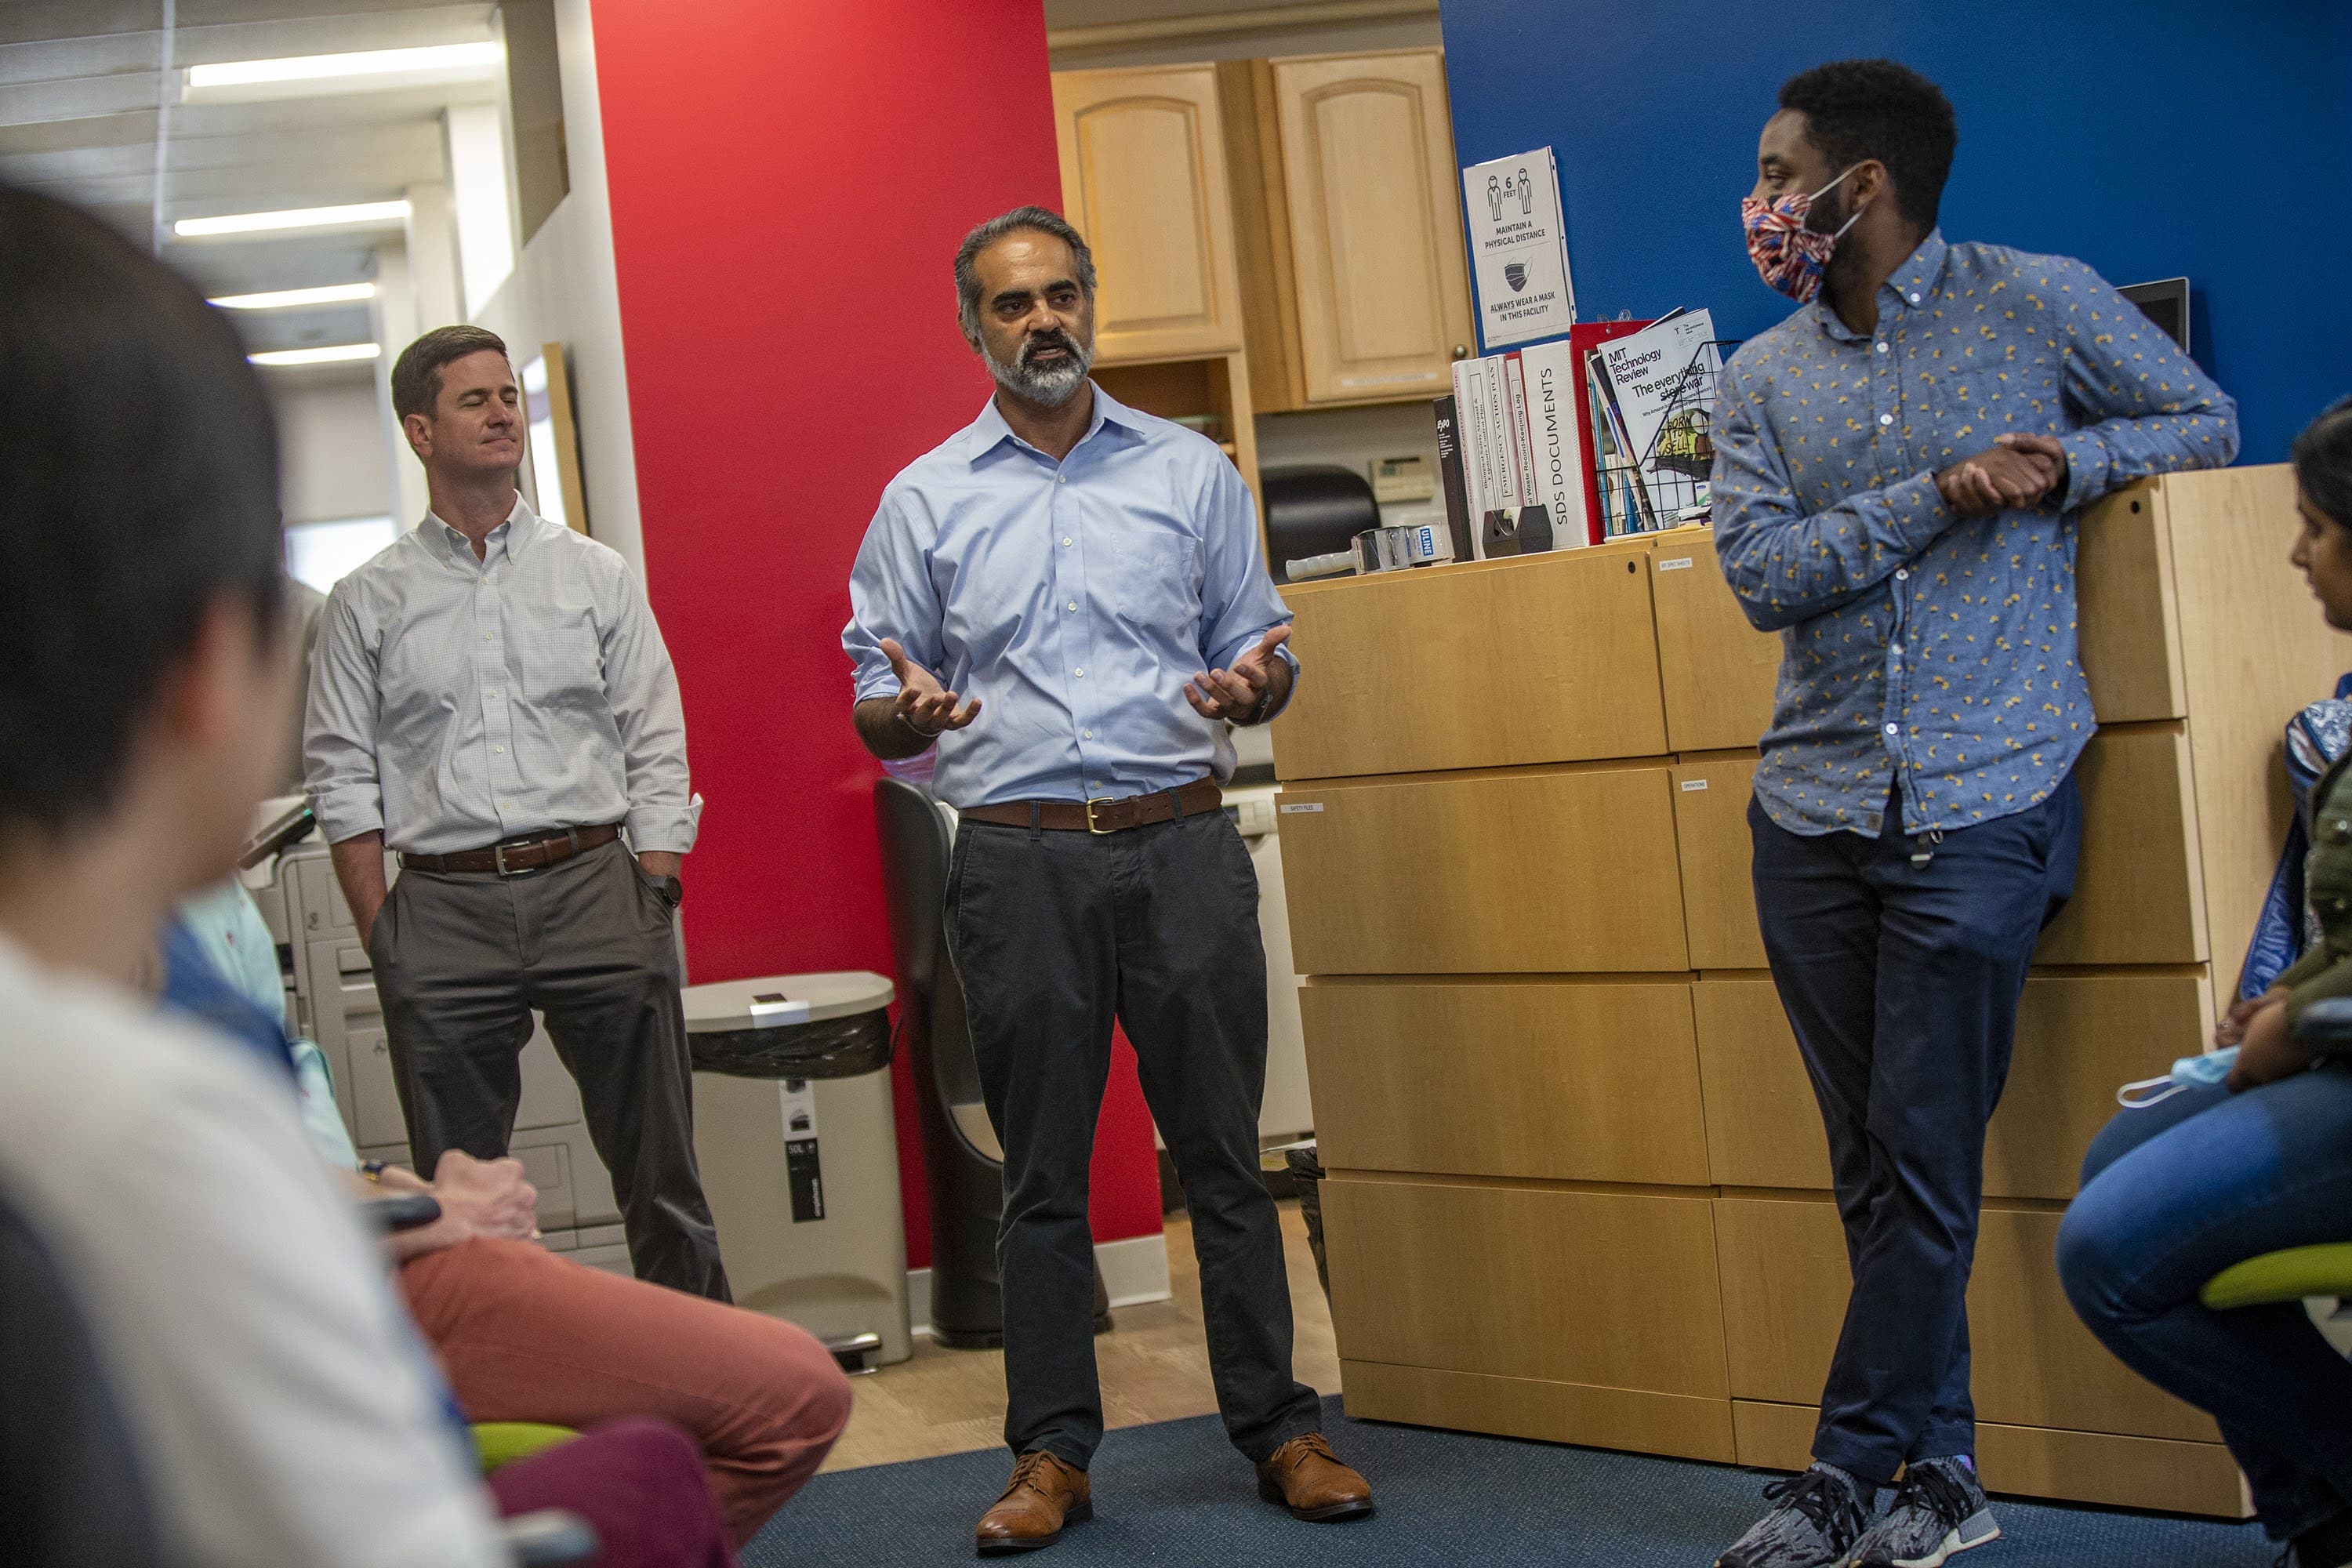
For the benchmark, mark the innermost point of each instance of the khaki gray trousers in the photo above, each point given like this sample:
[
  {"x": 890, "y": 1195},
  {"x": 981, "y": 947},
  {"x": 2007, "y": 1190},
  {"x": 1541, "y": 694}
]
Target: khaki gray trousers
[{"x": 463, "y": 959}]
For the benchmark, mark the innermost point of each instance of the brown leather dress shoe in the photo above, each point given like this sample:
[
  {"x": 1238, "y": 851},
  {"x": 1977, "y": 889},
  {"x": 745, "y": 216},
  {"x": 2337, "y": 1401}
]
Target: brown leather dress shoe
[
  {"x": 1305, "y": 1477},
  {"x": 1044, "y": 1495}
]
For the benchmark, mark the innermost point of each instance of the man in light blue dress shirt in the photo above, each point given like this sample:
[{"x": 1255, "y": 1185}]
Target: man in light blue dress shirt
[
  {"x": 1067, "y": 598},
  {"x": 1897, "y": 473}
]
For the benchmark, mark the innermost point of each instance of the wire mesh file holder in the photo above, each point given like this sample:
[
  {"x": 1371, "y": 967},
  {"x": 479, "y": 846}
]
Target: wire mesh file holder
[{"x": 1666, "y": 485}]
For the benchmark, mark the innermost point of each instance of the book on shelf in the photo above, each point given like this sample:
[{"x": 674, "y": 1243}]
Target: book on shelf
[
  {"x": 1557, "y": 479},
  {"x": 1665, "y": 373},
  {"x": 1454, "y": 481},
  {"x": 1624, "y": 500}
]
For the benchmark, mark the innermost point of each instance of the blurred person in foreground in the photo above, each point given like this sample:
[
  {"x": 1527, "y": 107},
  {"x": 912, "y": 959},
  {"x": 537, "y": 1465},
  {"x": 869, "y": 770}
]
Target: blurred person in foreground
[{"x": 276, "y": 1405}]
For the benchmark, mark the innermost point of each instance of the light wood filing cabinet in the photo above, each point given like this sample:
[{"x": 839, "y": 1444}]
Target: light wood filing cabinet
[{"x": 1579, "y": 1185}]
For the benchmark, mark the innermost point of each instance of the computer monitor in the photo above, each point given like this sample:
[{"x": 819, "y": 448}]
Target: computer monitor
[{"x": 2164, "y": 303}]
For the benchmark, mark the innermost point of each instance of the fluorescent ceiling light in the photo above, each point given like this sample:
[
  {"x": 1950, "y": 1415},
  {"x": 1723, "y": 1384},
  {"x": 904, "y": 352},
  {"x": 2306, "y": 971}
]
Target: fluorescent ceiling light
[
  {"x": 356, "y": 213},
  {"x": 329, "y": 353},
  {"x": 389, "y": 63},
  {"x": 293, "y": 298}
]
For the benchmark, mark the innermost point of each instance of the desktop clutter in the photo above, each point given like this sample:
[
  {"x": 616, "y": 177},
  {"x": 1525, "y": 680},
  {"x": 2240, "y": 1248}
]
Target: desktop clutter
[{"x": 1603, "y": 433}]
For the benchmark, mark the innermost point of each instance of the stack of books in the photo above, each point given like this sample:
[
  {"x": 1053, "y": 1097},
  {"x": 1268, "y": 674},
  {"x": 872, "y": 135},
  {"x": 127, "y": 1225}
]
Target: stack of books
[{"x": 1601, "y": 430}]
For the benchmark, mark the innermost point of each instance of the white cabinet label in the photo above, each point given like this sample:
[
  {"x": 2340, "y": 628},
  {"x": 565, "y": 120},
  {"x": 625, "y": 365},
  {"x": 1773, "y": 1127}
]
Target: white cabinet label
[{"x": 1301, "y": 808}]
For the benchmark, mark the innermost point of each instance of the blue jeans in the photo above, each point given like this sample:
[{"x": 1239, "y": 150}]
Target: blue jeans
[
  {"x": 2173, "y": 1194},
  {"x": 1901, "y": 978}
]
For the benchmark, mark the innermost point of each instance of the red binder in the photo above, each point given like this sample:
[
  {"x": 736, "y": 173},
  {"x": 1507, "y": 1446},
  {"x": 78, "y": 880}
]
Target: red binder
[{"x": 1583, "y": 338}]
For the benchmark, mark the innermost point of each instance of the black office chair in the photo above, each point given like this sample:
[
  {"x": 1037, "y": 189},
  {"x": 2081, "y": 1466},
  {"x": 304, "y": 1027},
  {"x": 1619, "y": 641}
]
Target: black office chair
[
  {"x": 962, "y": 1161},
  {"x": 71, "y": 1489}
]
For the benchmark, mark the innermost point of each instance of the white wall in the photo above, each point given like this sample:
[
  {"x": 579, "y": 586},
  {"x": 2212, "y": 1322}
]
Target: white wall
[
  {"x": 564, "y": 290},
  {"x": 334, "y": 458}
]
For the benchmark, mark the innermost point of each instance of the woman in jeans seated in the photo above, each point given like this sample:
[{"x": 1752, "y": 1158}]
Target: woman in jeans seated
[{"x": 2178, "y": 1191}]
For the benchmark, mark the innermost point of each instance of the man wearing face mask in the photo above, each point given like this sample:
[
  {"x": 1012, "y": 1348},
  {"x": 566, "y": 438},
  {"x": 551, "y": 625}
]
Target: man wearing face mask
[
  {"x": 1898, "y": 469},
  {"x": 1090, "y": 575}
]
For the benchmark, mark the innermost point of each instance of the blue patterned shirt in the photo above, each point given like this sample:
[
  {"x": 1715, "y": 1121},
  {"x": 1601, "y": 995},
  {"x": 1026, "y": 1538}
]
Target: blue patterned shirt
[{"x": 1915, "y": 644}]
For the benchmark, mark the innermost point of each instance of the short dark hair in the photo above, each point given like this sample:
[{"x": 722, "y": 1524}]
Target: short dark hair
[
  {"x": 1030, "y": 219},
  {"x": 2323, "y": 462},
  {"x": 1857, "y": 110},
  {"x": 416, "y": 373},
  {"x": 137, "y": 489}
]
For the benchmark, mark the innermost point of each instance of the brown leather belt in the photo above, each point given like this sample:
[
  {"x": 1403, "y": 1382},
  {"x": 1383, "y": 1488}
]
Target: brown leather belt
[
  {"x": 534, "y": 853},
  {"x": 1105, "y": 815}
]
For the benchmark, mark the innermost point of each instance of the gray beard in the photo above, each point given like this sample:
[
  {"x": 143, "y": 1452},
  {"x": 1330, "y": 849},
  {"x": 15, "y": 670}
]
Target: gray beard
[{"x": 1048, "y": 388}]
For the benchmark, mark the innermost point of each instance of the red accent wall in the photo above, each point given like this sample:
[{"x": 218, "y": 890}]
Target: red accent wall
[{"x": 790, "y": 179}]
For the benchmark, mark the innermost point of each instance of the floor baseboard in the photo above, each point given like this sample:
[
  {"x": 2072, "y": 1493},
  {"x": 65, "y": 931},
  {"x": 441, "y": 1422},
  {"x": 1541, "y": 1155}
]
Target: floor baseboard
[{"x": 1134, "y": 1271}]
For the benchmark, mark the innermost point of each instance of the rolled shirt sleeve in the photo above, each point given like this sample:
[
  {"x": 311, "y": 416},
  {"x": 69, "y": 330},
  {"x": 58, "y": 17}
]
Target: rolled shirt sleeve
[
  {"x": 2145, "y": 407},
  {"x": 1784, "y": 563},
  {"x": 339, "y": 725},
  {"x": 641, "y": 685}
]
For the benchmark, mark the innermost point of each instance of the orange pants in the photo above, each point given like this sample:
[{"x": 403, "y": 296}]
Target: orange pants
[{"x": 526, "y": 1334}]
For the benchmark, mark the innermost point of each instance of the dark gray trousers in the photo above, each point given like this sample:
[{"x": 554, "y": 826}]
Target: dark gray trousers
[
  {"x": 463, "y": 959},
  {"x": 1054, "y": 935}
]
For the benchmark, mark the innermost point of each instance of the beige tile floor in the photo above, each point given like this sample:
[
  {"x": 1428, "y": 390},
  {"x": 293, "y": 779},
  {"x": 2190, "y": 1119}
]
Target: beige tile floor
[{"x": 1154, "y": 1365}]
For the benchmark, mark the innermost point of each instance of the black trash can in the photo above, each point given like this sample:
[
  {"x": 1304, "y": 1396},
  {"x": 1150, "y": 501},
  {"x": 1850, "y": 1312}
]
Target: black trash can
[{"x": 1307, "y": 1174}]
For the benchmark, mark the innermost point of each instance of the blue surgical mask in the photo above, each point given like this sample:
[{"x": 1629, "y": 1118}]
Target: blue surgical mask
[{"x": 2202, "y": 1071}]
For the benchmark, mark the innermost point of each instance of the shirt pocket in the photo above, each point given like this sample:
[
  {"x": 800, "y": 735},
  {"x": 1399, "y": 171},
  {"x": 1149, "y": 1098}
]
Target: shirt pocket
[
  {"x": 1158, "y": 583},
  {"x": 561, "y": 659}
]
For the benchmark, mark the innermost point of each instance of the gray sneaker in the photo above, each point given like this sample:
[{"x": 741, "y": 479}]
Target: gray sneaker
[
  {"x": 1938, "y": 1510},
  {"x": 1818, "y": 1517}
]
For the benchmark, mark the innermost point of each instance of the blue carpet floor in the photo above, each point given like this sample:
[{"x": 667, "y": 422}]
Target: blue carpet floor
[{"x": 1174, "y": 1493}]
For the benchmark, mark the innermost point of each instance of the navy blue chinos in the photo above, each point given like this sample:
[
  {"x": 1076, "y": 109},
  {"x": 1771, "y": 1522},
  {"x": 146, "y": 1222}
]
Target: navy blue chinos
[{"x": 1900, "y": 961}]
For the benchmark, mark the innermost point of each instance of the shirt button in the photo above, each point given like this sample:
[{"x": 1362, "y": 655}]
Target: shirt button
[
  {"x": 1060, "y": 479},
  {"x": 1896, "y": 650},
  {"x": 1065, "y": 543},
  {"x": 1886, "y": 419},
  {"x": 1088, "y": 734},
  {"x": 1074, "y": 604},
  {"x": 492, "y": 692},
  {"x": 1881, "y": 348},
  {"x": 1894, "y": 729},
  {"x": 1913, "y": 298},
  {"x": 1081, "y": 674},
  {"x": 1903, "y": 574},
  {"x": 499, "y": 749}
]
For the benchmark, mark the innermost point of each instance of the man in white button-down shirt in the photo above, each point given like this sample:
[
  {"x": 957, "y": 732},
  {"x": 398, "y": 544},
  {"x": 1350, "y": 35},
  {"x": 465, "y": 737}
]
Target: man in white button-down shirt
[{"x": 492, "y": 698}]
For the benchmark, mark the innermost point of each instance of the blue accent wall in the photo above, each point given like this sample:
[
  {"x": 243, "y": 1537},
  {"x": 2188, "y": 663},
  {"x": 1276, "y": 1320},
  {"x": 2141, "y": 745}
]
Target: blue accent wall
[{"x": 2150, "y": 138}]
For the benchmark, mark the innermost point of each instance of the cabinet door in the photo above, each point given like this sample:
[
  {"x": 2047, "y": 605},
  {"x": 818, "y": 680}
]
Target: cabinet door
[
  {"x": 1718, "y": 673},
  {"x": 1547, "y": 660},
  {"x": 1143, "y": 178},
  {"x": 1567, "y": 871},
  {"x": 1375, "y": 226}
]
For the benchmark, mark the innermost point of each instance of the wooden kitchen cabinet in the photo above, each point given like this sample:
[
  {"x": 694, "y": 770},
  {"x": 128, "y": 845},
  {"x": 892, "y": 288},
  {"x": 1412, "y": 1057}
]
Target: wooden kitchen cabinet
[
  {"x": 1355, "y": 285},
  {"x": 1144, "y": 179}
]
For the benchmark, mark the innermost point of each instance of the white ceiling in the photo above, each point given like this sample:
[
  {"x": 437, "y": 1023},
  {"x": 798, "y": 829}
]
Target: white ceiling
[{"x": 89, "y": 112}]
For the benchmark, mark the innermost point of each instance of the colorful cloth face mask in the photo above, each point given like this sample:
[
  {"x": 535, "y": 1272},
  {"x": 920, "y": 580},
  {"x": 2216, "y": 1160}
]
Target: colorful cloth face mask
[{"x": 1787, "y": 256}]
